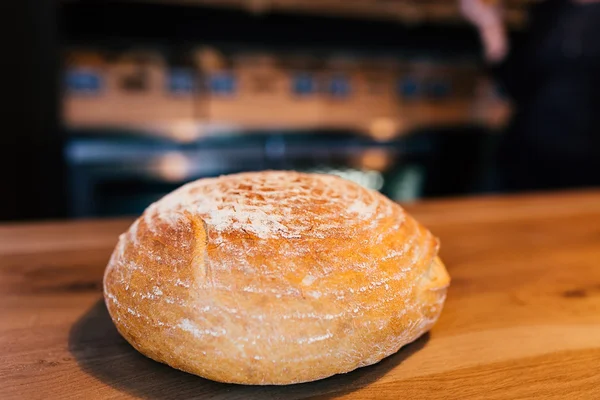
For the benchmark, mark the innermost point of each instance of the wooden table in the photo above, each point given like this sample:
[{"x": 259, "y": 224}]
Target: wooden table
[{"x": 522, "y": 318}]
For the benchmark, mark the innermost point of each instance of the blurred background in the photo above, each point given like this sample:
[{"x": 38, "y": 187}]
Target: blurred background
[{"x": 119, "y": 102}]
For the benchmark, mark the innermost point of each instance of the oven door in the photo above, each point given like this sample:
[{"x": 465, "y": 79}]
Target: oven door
[{"x": 111, "y": 176}]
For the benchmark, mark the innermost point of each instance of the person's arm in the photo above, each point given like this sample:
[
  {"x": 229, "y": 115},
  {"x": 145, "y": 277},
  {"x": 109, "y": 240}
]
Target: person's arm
[
  {"x": 486, "y": 16},
  {"x": 503, "y": 61}
]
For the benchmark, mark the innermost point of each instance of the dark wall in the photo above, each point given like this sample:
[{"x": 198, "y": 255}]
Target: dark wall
[
  {"x": 113, "y": 22},
  {"x": 31, "y": 163}
]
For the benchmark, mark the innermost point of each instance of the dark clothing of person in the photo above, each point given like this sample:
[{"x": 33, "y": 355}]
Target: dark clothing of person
[{"x": 552, "y": 75}]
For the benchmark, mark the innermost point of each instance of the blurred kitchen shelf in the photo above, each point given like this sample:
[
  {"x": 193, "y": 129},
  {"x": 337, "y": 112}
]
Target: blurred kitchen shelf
[
  {"x": 246, "y": 92},
  {"x": 191, "y": 132},
  {"x": 405, "y": 11}
]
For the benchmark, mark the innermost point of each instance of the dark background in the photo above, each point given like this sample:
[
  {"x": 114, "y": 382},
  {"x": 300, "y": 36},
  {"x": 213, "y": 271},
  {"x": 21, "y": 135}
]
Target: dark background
[{"x": 40, "y": 181}]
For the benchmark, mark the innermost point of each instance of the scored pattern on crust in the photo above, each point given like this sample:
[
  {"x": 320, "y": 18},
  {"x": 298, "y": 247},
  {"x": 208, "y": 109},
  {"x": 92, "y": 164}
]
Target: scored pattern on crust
[{"x": 273, "y": 204}]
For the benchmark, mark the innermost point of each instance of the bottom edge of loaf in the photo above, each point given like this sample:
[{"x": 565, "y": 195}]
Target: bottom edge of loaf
[{"x": 279, "y": 382}]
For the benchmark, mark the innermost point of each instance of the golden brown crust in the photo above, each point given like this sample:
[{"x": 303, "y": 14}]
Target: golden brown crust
[{"x": 274, "y": 278}]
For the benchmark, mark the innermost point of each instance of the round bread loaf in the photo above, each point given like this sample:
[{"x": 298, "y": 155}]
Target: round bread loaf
[{"x": 274, "y": 278}]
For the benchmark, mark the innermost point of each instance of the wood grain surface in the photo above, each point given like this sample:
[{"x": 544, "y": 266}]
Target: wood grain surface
[{"x": 522, "y": 318}]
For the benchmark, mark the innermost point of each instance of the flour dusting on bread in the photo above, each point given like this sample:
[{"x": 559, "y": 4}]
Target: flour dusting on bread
[{"x": 274, "y": 278}]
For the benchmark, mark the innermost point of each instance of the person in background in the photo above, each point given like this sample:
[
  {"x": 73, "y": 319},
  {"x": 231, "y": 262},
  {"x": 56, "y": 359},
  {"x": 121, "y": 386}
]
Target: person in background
[{"x": 552, "y": 76}]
